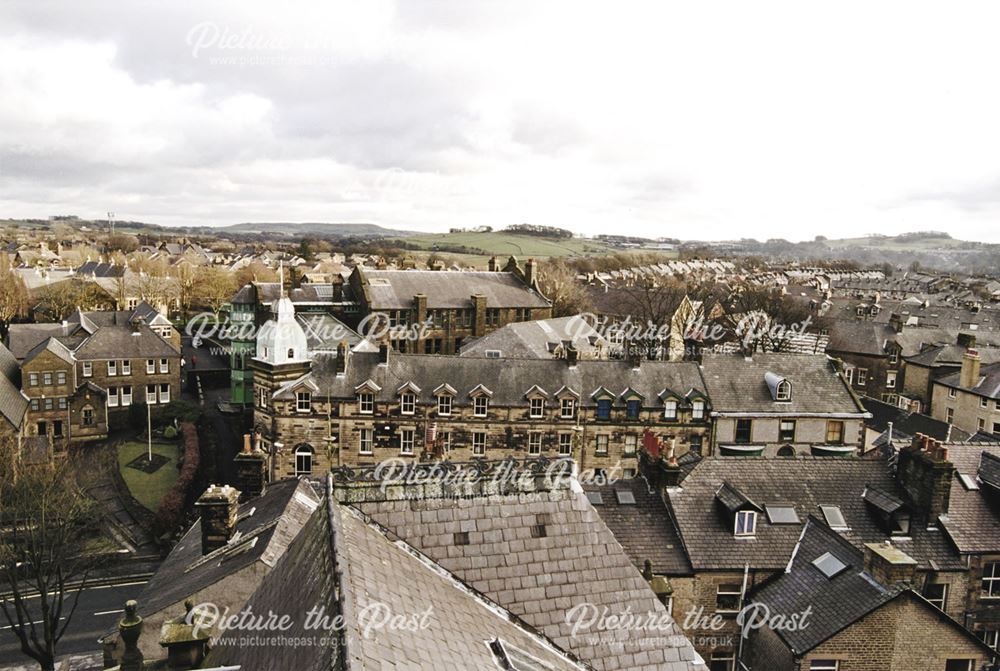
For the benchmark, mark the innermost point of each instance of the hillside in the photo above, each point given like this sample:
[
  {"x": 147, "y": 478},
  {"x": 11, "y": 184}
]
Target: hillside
[
  {"x": 502, "y": 244},
  {"x": 315, "y": 228}
]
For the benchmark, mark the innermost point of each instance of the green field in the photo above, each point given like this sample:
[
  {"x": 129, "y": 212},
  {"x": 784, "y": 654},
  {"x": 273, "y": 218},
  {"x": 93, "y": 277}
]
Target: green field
[
  {"x": 148, "y": 488},
  {"x": 506, "y": 244}
]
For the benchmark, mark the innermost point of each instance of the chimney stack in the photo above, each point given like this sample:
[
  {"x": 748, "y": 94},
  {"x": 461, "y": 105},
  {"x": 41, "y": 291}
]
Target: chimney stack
[
  {"x": 251, "y": 466},
  {"x": 969, "y": 378},
  {"x": 966, "y": 340},
  {"x": 493, "y": 265},
  {"x": 340, "y": 366},
  {"x": 924, "y": 472},
  {"x": 889, "y": 565},
  {"x": 572, "y": 355},
  {"x": 218, "y": 507},
  {"x": 530, "y": 270},
  {"x": 896, "y": 322}
]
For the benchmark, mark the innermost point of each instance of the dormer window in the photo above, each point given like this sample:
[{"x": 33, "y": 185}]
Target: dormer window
[
  {"x": 536, "y": 408},
  {"x": 632, "y": 408},
  {"x": 567, "y": 408},
  {"x": 480, "y": 406},
  {"x": 670, "y": 409},
  {"x": 444, "y": 405},
  {"x": 746, "y": 523},
  {"x": 783, "y": 391},
  {"x": 604, "y": 409},
  {"x": 698, "y": 409},
  {"x": 407, "y": 404},
  {"x": 366, "y": 403},
  {"x": 303, "y": 401}
]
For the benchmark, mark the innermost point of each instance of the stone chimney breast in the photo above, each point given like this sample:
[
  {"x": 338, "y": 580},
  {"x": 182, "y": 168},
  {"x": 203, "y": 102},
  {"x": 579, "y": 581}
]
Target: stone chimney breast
[{"x": 218, "y": 507}]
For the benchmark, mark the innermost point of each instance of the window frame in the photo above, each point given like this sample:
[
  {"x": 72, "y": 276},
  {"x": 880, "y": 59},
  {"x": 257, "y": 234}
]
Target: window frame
[
  {"x": 407, "y": 442},
  {"x": 993, "y": 579},
  {"x": 571, "y": 404},
  {"x": 444, "y": 400},
  {"x": 565, "y": 444},
  {"x": 670, "y": 409},
  {"x": 601, "y": 442},
  {"x": 941, "y": 602},
  {"x": 87, "y": 368},
  {"x": 366, "y": 399},
  {"x": 749, "y": 530},
  {"x": 480, "y": 406},
  {"x": 536, "y": 407},
  {"x": 743, "y": 426},
  {"x": 150, "y": 366},
  {"x": 407, "y": 403},
  {"x": 366, "y": 435},
  {"x": 783, "y": 435},
  {"x": 839, "y": 436},
  {"x": 698, "y": 409},
  {"x": 478, "y": 443},
  {"x": 303, "y": 452},
  {"x": 303, "y": 401},
  {"x": 534, "y": 443},
  {"x": 738, "y": 593}
]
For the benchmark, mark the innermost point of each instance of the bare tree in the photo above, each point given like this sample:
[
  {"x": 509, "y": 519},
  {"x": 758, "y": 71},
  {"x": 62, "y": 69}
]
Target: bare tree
[
  {"x": 13, "y": 294},
  {"x": 43, "y": 566},
  {"x": 557, "y": 281},
  {"x": 214, "y": 287}
]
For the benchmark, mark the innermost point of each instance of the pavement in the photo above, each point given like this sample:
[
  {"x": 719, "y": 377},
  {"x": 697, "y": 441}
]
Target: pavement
[{"x": 100, "y": 607}]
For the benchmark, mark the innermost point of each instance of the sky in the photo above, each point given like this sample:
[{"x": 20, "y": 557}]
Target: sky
[{"x": 697, "y": 120}]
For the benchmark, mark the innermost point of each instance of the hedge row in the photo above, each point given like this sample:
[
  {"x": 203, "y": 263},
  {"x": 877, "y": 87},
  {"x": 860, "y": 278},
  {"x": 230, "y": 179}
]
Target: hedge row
[{"x": 170, "y": 513}]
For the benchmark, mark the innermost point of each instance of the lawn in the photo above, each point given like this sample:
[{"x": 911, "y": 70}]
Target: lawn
[{"x": 148, "y": 487}]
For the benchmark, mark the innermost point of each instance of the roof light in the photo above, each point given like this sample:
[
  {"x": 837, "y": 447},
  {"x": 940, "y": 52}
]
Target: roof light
[
  {"x": 829, "y": 565},
  {"x": 834, "y": 518},
  {"x": 781, "y": 514}
]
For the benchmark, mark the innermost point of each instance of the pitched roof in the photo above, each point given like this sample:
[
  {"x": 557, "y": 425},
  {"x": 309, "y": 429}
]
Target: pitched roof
[
  {"x": 509, "y": 381},
  {"x": 121, "y": 342},
  {"x": 541, "y": 575},
  {"x": 836, "y": 602},
  {"x": 736, "y": 384},
  {"x": 395, "y": 289},
  {"x": 805, "y": 483},
  {"x": 538, "y": 339},
  {"x": 347, "y": 565},
  {"x": 854, "y": 337},
  {"x": 644, "y": 529},
  {"x": 972, "y": 522},
  {"x": 266, "y": 526},
  {"x": 906, "y": 423},
  {"x": 22, "y": 338},
  {"x": 988, "y": 384},
  {"x": 13, "y": 403}
]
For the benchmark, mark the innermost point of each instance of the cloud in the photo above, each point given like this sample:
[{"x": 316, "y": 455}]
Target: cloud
[{"x": 780, "y": 119}]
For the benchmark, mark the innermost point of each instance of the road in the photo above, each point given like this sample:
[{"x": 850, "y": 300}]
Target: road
[{"x": 99, "y": 610}]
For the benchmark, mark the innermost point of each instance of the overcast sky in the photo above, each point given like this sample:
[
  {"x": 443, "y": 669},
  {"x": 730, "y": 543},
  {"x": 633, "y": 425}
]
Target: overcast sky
[{"x": 702, "y": 120}]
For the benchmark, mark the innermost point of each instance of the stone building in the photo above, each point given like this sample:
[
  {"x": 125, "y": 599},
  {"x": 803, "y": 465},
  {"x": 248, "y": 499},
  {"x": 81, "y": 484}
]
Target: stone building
[
  {"x": 970, "y": 397},
  {"x": 859, "y": 612},
  {"x": 433, "y": 312},
  {"x": 363, "y": 407},
  {"x": 715, "y": 529},
  {"x": 782, "y": 404},
  {"x": 82, "y": 377}
]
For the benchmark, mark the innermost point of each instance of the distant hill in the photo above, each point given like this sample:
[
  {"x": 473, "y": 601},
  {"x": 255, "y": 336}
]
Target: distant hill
[
  {"x": 316, "y": 228},
  {"x": 501, "y": 243}
]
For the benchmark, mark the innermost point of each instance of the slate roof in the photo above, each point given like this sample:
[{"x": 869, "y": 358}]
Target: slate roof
[
  {"x": 538, "y": 339},
  {"x": 509, "y": 380},
  {"x": 50, "y": 345},
  {"x": 13, "y": 403},
  {"x": 737, "y": 385},
  {"x": 542, "y": 578},
  {"x": 908, "y": 424},
  {"x": 377, "y": 572},
  {"x": 120, "y": 342},
  {"x": 856, "y": 337},
  {"x": 395, "y": 289},
  {"x": 278, "y": 516},
  {"x": 973, "y": 520},
  {"x": 644, "y": 529},
  {"x": 324, "y": 332},
  {"x": 951, "y": 355},
  {"x": 836, "y": 602},
  {"x": 988, "y": 384},
  {"x": 98, "y": 269},
  {"x": 22, "y": 338},
  {"x": 804, "y": 483}
]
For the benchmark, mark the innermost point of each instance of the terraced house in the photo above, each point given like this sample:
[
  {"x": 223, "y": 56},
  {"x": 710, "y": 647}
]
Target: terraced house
[
  {"x": 782, "y": 405},
  {"x": 317, "y": 410},
  {"x": 451, "y": 307},
  {"x": 82, "y": 376}
]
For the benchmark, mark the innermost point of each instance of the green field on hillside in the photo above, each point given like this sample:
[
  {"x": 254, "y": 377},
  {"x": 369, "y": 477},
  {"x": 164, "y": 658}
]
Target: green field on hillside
[{"x": 505, "y": 244}]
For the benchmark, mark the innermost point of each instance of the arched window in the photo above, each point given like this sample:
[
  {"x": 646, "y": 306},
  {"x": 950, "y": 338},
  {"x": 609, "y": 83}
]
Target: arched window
[
  {"x": 291, "y": 353},
  {"x": 786, "y": 451},
  {"x": 783, "y": 391},
  {"x": 303, "y": 460}
]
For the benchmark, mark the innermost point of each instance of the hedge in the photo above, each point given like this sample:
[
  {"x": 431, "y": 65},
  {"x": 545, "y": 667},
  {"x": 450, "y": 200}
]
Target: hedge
[{"x": 170, "y": 513}]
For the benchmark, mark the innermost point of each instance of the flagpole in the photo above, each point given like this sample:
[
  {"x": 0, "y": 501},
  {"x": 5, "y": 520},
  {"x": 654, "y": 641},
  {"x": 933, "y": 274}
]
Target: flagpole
[{"x": 149, "y": 432}]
